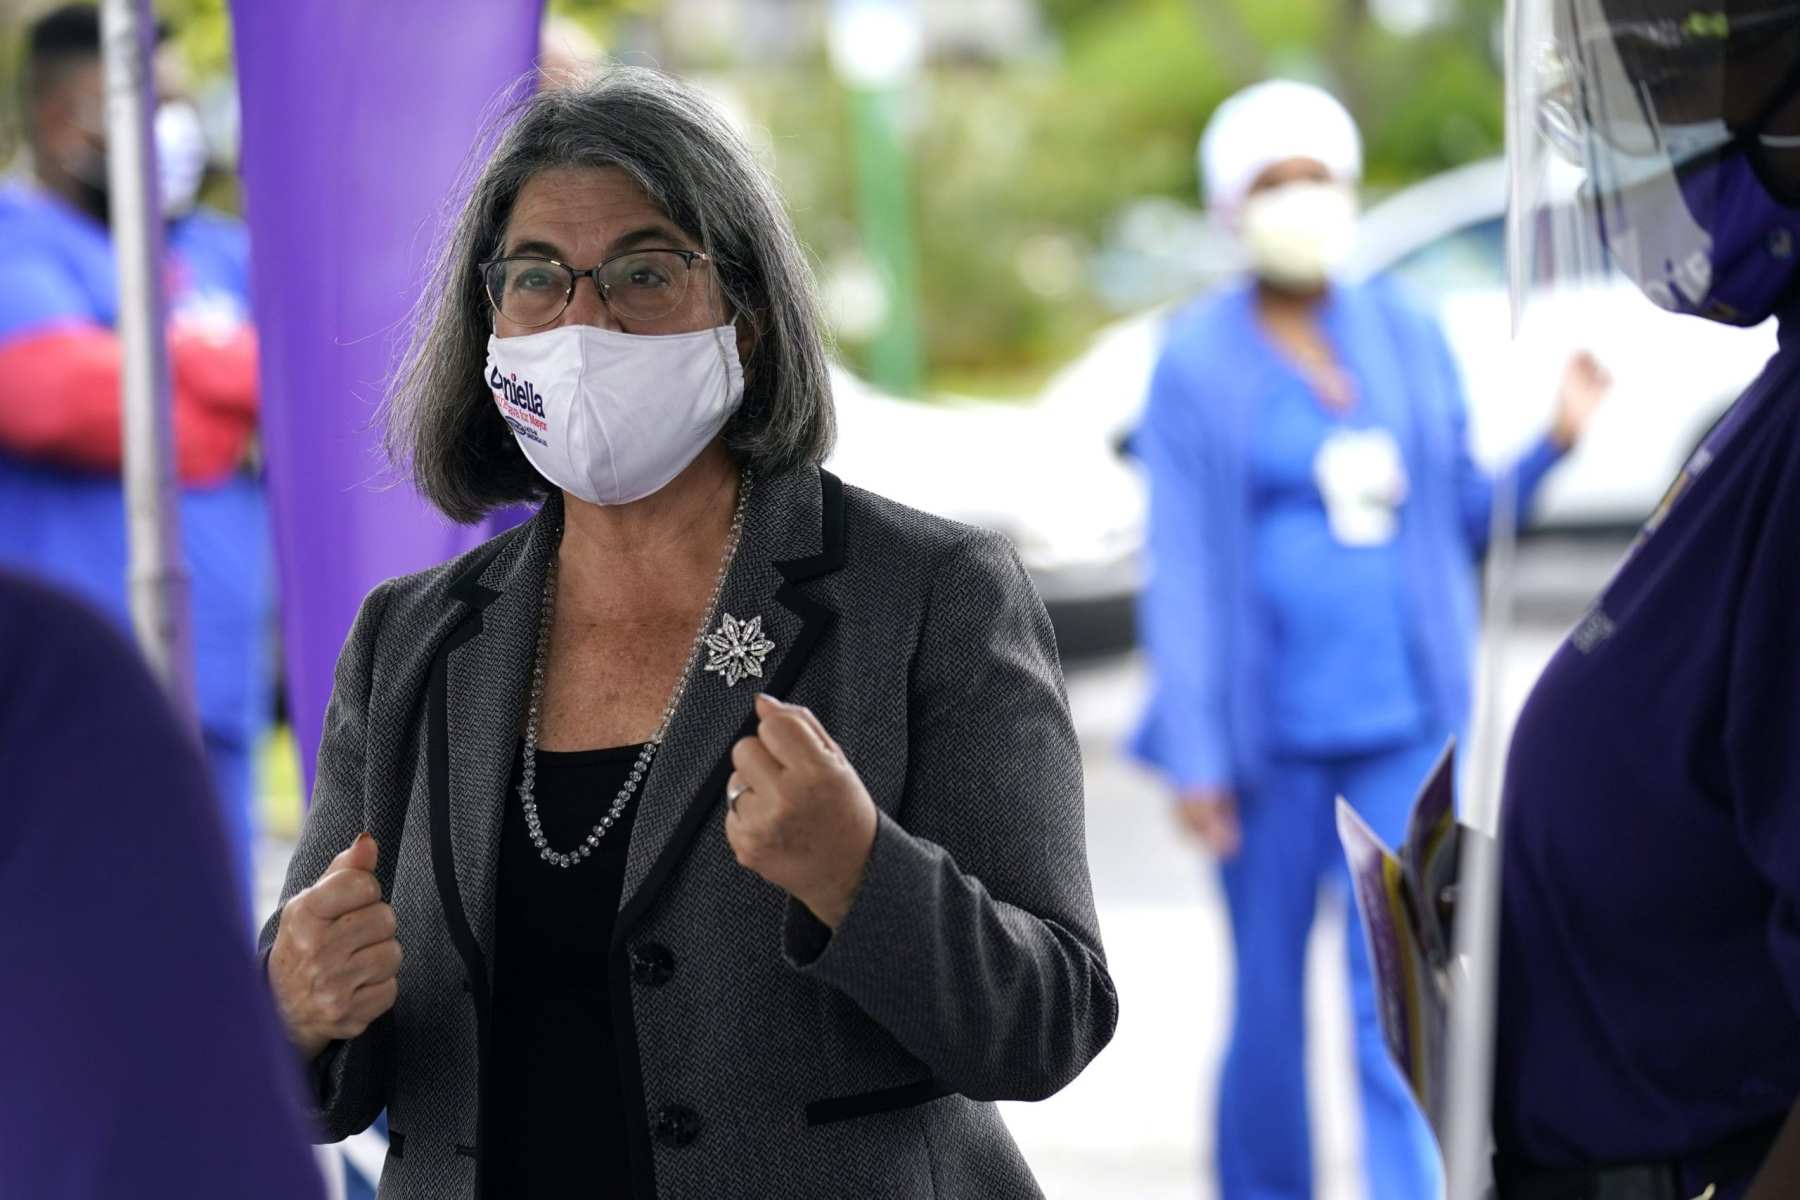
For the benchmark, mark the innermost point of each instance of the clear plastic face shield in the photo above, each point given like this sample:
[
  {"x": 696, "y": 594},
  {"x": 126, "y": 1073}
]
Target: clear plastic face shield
[{"x": 1660, "y": 140}]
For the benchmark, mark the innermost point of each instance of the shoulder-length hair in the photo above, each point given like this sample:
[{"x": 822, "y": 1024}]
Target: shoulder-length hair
[{"x": 442, "y": 426}]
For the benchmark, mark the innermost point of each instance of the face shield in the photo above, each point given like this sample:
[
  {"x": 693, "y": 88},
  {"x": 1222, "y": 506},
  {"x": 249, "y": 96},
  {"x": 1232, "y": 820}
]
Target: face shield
[
  {"x": 180, "y": 155},
  {"x": 1658, "y": 140}
]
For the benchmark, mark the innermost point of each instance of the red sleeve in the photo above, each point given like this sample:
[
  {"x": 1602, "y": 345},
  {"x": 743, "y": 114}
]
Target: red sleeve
[
  {"x": 214, "y": 379},
  {"x": 59, "y": 399}
]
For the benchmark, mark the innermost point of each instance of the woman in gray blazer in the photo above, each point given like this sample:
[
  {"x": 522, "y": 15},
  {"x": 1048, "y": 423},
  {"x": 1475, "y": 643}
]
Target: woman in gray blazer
[{"x": 730, "y": 818}]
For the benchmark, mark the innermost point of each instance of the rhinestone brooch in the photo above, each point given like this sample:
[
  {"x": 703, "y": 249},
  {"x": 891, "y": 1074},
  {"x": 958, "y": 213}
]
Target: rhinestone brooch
[{"x": 738, "y": 649}]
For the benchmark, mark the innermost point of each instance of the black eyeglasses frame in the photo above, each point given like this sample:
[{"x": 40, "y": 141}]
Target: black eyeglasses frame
[{"x": 688, "y": 258}]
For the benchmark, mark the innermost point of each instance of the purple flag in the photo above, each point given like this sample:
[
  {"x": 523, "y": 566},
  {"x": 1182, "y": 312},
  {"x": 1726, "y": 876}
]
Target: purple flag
[{"x": 357, "y": 121}]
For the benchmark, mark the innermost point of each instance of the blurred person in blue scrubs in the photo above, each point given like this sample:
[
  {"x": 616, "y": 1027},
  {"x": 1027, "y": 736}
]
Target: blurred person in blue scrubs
[
  {"x": 1310, "y": 618},
  {"x": 60, "y": 433}
]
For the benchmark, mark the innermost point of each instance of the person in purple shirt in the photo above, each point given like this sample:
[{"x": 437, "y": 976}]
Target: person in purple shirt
[
  {"x": 1648, "y": 1041},
  {"x": 141, "y": 1052}
]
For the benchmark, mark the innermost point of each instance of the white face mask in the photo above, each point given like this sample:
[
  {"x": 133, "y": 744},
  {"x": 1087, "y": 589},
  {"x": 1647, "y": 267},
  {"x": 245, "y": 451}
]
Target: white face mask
[
  {"x": 613, "y": 417},
  {"x": 1299, "y": 233},
  {"x": 180, "y": 156}
]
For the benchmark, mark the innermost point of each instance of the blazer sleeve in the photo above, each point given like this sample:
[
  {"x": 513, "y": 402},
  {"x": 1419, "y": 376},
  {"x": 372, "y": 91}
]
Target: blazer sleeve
[
  {"x": 973, "y": 938},
  {"x": 348, "y": 1078}
]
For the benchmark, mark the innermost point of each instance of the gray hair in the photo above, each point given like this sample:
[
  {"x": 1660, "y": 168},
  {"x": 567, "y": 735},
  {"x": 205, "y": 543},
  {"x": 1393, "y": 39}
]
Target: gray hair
[{"x": 442, "y": 426}]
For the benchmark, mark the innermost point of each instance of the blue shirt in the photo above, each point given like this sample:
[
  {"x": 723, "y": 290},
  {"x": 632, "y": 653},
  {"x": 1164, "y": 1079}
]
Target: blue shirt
[
  {"x": 1202, "y": 614},
  {"x": 68, "y": 525},
  {"x": 1650, "y": 936},
  {"x": 1341, "y": 677}
]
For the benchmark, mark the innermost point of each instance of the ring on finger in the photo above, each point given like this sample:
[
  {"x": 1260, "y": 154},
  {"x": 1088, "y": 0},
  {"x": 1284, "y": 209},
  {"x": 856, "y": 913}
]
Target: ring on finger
[{"x": 733, "y": 793}]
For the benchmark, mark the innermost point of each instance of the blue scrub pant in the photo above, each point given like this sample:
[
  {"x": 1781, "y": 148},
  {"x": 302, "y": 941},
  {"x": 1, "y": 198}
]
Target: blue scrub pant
[{"x": 1290, "y": 849}]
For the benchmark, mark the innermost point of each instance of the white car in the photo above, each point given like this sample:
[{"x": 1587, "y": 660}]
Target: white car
[
  {"x": 1073, "y": 509},
  {"x": 1445, "y": 238},
  {"x": 1051, "y": 474},
  {"x": 1675, "y": 375}
]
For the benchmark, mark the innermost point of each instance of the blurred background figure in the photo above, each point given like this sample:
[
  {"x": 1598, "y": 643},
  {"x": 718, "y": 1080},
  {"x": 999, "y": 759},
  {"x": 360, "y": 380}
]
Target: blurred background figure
[
  {"x": 60, "y": 437},
  {"x": 1310, "y": 611},
  {"x": 143, "y": 1056}
]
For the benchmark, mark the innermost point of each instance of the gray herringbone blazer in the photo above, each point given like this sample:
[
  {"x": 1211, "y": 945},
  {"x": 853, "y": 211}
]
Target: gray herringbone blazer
[{"x": 761, "y": 1055}]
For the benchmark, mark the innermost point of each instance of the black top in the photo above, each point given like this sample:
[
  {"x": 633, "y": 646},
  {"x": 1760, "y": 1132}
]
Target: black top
[{"x": 555, "y": 1121}]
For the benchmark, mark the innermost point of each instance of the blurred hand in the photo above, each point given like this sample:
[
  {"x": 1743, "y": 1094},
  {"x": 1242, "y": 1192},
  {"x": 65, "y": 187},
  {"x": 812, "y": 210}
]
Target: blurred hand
[
  {"x": 1585, "y": 386},
  {"x": 802, "y": 820},
  {"x": 336, "y": 960},
  {"x": 1210, "y": 817}
]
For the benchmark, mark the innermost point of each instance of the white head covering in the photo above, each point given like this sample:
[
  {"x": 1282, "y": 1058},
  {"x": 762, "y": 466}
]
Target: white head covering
[{"x": 1268, "y": 123}]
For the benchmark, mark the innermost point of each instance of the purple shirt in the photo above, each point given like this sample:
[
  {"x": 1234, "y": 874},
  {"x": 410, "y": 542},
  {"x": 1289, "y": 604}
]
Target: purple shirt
[
  {"x": 141, "y": 1053},
  {"x": 1650, "y": 941}
]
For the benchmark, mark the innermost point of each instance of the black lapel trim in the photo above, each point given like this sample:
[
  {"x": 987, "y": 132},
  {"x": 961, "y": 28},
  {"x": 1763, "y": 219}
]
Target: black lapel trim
[
  {"x": 631, "y": 1076},
  {"x": 468, "y": 589},
  {"x": 868, "y": 1104},
  {"x": 815, "y": 620},
  {"x": 831, "y": 552}
]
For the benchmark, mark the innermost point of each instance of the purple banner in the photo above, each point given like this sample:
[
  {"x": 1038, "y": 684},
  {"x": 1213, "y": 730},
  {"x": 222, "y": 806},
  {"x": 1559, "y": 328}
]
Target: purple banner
[{"x": 357, "y": 120}]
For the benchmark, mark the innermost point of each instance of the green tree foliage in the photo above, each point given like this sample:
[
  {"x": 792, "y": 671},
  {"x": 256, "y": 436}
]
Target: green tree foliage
[
  {"x": 1018, "y": 163},
  {"x": 203, "y": 30},
  {"x": 1019, "y": 169}
]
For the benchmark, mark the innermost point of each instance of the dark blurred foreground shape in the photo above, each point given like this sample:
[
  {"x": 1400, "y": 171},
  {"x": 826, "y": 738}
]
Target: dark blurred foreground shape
[
  {"x": 61, "y": 369},
  {"x": 142, "y": 1054}
]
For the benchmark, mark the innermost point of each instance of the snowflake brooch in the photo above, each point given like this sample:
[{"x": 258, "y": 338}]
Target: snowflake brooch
[{"x": 738, "y": 649}]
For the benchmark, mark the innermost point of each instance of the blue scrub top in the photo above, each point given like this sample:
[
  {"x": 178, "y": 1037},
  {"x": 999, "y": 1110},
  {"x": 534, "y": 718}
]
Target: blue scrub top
[
  {"x": 1650, "y": 938},
  {"x": 1341, "y": 676},
  {"x": 1204, "y": 612},
  {"x": 68, "y": 525}
]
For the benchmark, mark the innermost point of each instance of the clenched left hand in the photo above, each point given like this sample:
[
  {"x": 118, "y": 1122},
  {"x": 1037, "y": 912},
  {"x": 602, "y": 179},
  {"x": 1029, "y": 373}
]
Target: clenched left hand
[{"x": 803, "y": 820}]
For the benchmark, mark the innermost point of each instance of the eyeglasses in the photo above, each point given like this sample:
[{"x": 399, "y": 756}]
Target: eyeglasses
[{"x": 644, "y": 285}]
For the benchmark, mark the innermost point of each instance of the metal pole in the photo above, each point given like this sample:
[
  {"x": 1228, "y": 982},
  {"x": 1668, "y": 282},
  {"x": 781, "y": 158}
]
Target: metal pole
[
  {"x": 156, "y": 573},
  {"x": 876, "y": 48},
  {"x": 896, "y": 361},
  {"x": 1468, "y": 1120}
]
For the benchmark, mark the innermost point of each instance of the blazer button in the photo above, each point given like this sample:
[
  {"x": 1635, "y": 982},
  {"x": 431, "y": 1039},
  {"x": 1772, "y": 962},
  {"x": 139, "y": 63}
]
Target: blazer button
[
  {"x": 651, "y": 964},
  {"x": 676, "y": 1125}
]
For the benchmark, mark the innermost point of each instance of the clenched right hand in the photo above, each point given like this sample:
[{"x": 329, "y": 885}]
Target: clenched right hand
[{"x": 335, "y": 962}]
